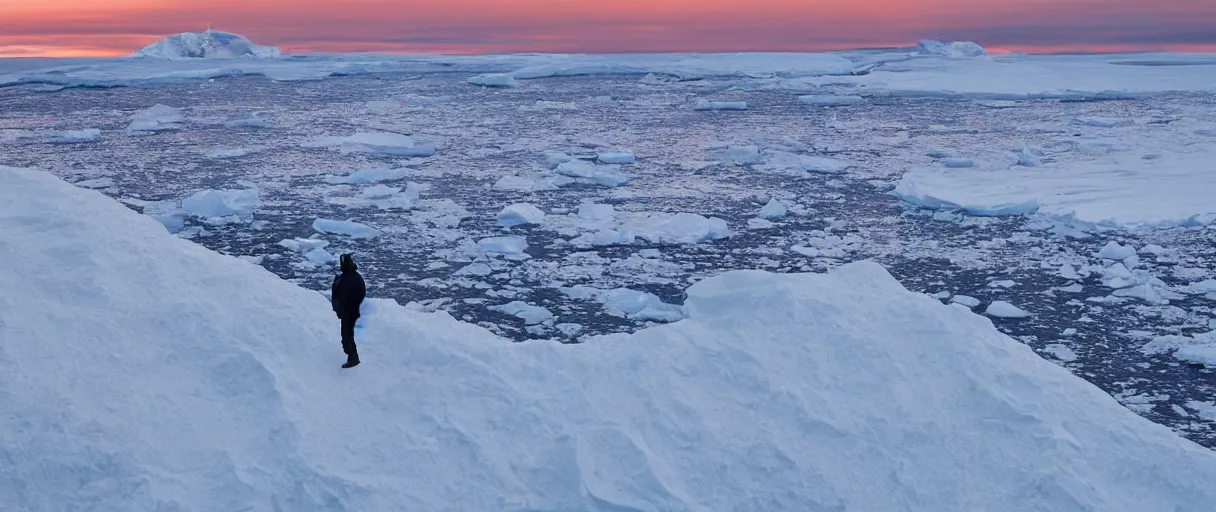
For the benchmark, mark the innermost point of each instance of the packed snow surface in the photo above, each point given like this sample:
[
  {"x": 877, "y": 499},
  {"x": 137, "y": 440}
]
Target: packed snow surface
[
  {"x": 209, "y": 44},
  {"x": 779, "y": 392}
]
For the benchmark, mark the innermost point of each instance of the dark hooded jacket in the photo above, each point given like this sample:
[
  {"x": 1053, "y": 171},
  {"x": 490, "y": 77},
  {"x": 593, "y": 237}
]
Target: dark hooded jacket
[{"x": 348, "y": 290}]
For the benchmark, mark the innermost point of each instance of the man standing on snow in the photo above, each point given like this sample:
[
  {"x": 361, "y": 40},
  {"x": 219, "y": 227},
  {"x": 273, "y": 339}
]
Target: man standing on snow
[{"x": 348, "y": 292}]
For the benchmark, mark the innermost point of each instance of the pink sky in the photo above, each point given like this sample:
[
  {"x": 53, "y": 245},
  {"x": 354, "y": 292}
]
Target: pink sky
[{"x": 118, "y": 27}]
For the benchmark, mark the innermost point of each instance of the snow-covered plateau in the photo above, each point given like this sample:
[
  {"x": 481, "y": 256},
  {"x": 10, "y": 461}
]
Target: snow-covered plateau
[{"x": 860, "y": 253}]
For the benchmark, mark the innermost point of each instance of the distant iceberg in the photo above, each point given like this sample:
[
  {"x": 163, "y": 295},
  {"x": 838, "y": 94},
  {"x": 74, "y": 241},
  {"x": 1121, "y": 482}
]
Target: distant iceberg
[
  {"x": 209, "y": 44},
  {"x": 950, "y": 49}
]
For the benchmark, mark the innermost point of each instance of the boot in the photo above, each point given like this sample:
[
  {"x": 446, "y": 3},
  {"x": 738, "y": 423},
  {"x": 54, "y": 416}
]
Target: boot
[{"x": 352, "y": 360}]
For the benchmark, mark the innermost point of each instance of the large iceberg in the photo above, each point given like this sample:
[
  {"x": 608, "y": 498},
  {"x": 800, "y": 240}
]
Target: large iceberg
[
  {"x": 950, "y": 49},
  {"x": 203, "y": 382},
  {"x": 208, "y": 44}
]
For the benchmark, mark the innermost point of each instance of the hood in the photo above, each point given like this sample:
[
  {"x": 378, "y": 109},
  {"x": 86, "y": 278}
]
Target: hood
[{"x": 347, "y": 263}]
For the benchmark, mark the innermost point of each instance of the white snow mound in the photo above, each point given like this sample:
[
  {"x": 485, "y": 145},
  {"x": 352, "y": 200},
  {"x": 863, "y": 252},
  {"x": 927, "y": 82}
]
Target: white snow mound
[
  {"x": 209, "y": 44},
  {"x": 203, "y": 382}
]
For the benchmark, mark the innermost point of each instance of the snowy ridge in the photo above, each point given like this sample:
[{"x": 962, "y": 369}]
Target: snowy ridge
[
  {"x": 907, "y": 405},
  {"x": 209, "y": 44}
]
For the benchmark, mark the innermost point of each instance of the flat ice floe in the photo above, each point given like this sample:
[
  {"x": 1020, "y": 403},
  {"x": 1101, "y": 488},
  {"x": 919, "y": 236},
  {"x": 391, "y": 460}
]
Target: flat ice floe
[
  {"x": 392, "y": 144},
  {"x": 370, "y": 175},
  {"x": 704, "y": 104},
  {"x": 520, "y": 214},
  {"x": 74, "y": 136},
  {"x": 530, "y": 314},
  {"x": 495, "y": 80},
  {"x": 819, "y": 366},
  {"x": 345, "y": 227},
  {"x": 831, "y": 100},
  {"x": 156, "y": 118},
  {"x": 632, "y": 304},
  {"x": 1171, "y": 190},
  {"x": 220, "y": 204}
]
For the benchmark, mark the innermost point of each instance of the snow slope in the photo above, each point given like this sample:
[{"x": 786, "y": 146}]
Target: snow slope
[
  {"x": 209, "y": 44},
  {"x": 140, "y": 371}
]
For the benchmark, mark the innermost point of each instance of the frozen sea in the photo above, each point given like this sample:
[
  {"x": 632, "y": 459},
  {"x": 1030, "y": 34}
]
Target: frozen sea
[{"x": 633, "y": 173}]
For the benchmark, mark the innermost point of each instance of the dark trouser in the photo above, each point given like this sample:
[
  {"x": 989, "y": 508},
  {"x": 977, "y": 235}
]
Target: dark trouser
[{"x": 348, "y": 338}]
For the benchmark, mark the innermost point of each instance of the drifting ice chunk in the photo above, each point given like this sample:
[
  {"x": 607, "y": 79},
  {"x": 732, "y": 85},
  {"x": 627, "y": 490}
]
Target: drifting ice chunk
[
  {"x": 253, "y": 121},
  {"x": 524, "y": 184},
  {"x": 385, "y": 143},
  {"x": 773, "y": 210},
  {"x": 1114, "y": 251},
  {"x": 318, "y": 257},
  {"x": 595, "y": 211},
  {"x": 74, "y": 136},
  {"x": 744, "y": 155},
  {"x": 1028, "y": 158},
  {"x": 367, "y": 176},
  {"x": 530, "y": 314},
  {"x": 617, "y": 157},
  {"x": 966, "y": 300},
  {"x": 1068, "y": 272},
  {"x": 556, "y": 158},
  {"x": 577, "y": 169},
  {"x": 156, "y": 118},
  {"x": 680, "y": 228},
  {"x": 785, "y": 162},
  {"x": 520, "y": 214},
  {"x": 474, "y": 269},
  {"x": 1061, "y": 352},
  {"x": 641, "y": 305},
  {"x": 605, "y": 175},
  {"x": 830, "y": 100},
  {"x": 221, "y": 154},
  {"x": 758, "y": 224},
  {"x": 222, "y": 203},
  {"x": 502, "y": 245},
  {"x": 952, "y": 49},
  {"x": 958, "y": 163},
  {"x": 344, "y": 227},
  {"x": 380, "y": 192},
  {"x": 1002, "y": 309},
  {"x": 1198, "y": 349},
  {"x": 495, "y": 81},
  {"x": 303, "y": 244},
  {"x": 602, "y": 238},
  {"x": 704, "y": 104}
]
